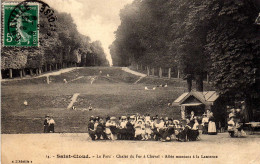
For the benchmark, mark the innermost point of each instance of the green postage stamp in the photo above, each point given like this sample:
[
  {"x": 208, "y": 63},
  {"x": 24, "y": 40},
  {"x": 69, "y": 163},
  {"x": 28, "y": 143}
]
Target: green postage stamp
[{"x": 20, "y": 22}]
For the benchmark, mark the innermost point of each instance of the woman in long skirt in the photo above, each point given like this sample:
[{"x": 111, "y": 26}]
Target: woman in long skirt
[{"x": 212, "y": 130}]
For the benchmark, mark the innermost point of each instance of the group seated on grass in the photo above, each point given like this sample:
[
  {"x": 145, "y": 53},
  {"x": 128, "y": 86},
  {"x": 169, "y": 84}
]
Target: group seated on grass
[{"x": 137, "y": 127}]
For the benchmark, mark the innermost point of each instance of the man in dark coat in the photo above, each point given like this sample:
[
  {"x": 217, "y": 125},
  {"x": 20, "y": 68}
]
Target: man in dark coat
[
  {"x": 130, "y": 131},
  {"x": 100, "y": 131},
  {"x": 91, "y": 129},
  {"x": 46, "y": 124}
]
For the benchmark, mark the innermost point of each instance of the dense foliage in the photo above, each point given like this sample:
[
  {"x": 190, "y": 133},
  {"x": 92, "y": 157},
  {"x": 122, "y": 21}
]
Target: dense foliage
[{"x": 217, "y": 37}]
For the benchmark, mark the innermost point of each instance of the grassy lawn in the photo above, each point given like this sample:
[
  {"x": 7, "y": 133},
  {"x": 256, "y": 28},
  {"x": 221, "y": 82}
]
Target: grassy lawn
[{"x": 115, "y": 95}]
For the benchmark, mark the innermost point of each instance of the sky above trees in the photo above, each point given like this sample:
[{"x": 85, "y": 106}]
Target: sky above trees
[{"x": 95, "y": 18}]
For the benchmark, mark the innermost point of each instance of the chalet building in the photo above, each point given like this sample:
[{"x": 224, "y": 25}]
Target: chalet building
[{"x": 200, "y": 102}]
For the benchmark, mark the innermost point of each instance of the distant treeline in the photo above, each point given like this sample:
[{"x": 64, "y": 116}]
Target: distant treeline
[
  {"x": 63, "y": 47},
  {"x": 217, "y": 37}
]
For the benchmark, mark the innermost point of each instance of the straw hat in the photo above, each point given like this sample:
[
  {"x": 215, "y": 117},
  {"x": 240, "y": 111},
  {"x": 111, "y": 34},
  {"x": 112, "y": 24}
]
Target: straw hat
[
  {"x": 176, "y": 121},
  {"x": 113, "y": 118}
]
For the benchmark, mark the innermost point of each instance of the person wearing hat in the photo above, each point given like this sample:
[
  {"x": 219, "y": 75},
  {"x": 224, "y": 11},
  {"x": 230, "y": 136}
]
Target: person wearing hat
[
  {"x": 168, "y": 132},
  {"x": 107, "y": 128},
  {"x": 113, "y": 128},
  {"x": 130, "y": 131},
  {"x": 232, "y": 113},
  {"x": 132, "y": 120},
  {"x": 100, "y": 131},
  {"x": 91, "y": 129},
  {"x": 205, "y": 122},
  {"x": 212, "y": 130},
  {"x": 139, "y": 130},
  {"x": 122, "y": 128},
  {"x": 155, "y": 135},
  {"x": 192, "y": 115},
  {"x": 161, "y": 128},
  {"x": 148, "y": 130},
  {"x": 194, "y": 131},
  {"x": 231, "y": 126},
  {"x": 46, "y": 124}
]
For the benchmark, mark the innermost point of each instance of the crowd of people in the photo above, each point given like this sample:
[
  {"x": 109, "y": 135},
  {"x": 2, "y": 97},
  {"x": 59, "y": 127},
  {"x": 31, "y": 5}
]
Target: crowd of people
[{"x": 145, "y": 127}]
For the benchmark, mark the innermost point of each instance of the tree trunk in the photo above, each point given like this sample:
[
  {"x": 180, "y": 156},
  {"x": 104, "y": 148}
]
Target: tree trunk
[
  {"x": 160, "y": 72},
  {"x": 46, "y": 68},
  {"x": 136, "y": 66},
  {"x": 37, "y": 71},
  {"x": 21, "y": 73},
  {"x": 199, "y": 83},
  {"x": 10, "y": 73},
  {"x": 50, "y": 67},
  {"x": 178, "y": 74},
  {"x": 1, "y": 75},
  {"x": 169, "y": 73},
  {"x": 189, "y": 82},
  {"x": 153, "y": 71},
  {"x": 40, "y": 70},
  {"x": 31, "y": 72},
  {"x": 56, "y": 66},
  {"x": 207, "y": 78},
  {"x": 148, "y": 71}
]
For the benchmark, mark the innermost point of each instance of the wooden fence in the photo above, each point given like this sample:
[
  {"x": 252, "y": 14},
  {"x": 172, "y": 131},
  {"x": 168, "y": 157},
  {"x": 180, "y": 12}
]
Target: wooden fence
[{"x": 161, "y": 72}]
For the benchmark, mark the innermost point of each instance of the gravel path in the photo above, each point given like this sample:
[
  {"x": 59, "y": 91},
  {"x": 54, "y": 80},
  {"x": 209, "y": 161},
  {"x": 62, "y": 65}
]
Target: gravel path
[
  {"x": 126, "y": 69},
  {"x": 46, "y": 148},
  {"x": 53, "y": 73}
]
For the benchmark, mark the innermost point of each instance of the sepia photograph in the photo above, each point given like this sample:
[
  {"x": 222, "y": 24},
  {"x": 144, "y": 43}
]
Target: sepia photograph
[{"x": 130, "y": 81}]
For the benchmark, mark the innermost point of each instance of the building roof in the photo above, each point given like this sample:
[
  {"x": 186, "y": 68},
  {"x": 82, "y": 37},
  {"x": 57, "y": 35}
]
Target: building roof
[{"x": 206, "y": 97}]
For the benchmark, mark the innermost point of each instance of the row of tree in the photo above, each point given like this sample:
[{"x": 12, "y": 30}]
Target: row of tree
[
  {"x": 217, "y": 37},
  {"x": 60, "y": 48}
]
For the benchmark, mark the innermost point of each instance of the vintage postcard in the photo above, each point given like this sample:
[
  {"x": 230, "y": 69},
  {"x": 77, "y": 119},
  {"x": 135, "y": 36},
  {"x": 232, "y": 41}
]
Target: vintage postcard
[{"x": 130, "y": 81}]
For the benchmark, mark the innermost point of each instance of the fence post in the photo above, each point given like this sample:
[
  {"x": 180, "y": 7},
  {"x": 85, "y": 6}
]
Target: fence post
[
  {"x": 47, "y": 79},
  {"x": 169, "y": 73}
]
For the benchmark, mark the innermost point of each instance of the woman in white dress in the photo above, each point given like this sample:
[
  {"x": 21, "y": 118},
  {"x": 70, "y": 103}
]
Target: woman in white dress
[
  {"x": 107, "y": 130},
  {"x": 140, "y": 129}
]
